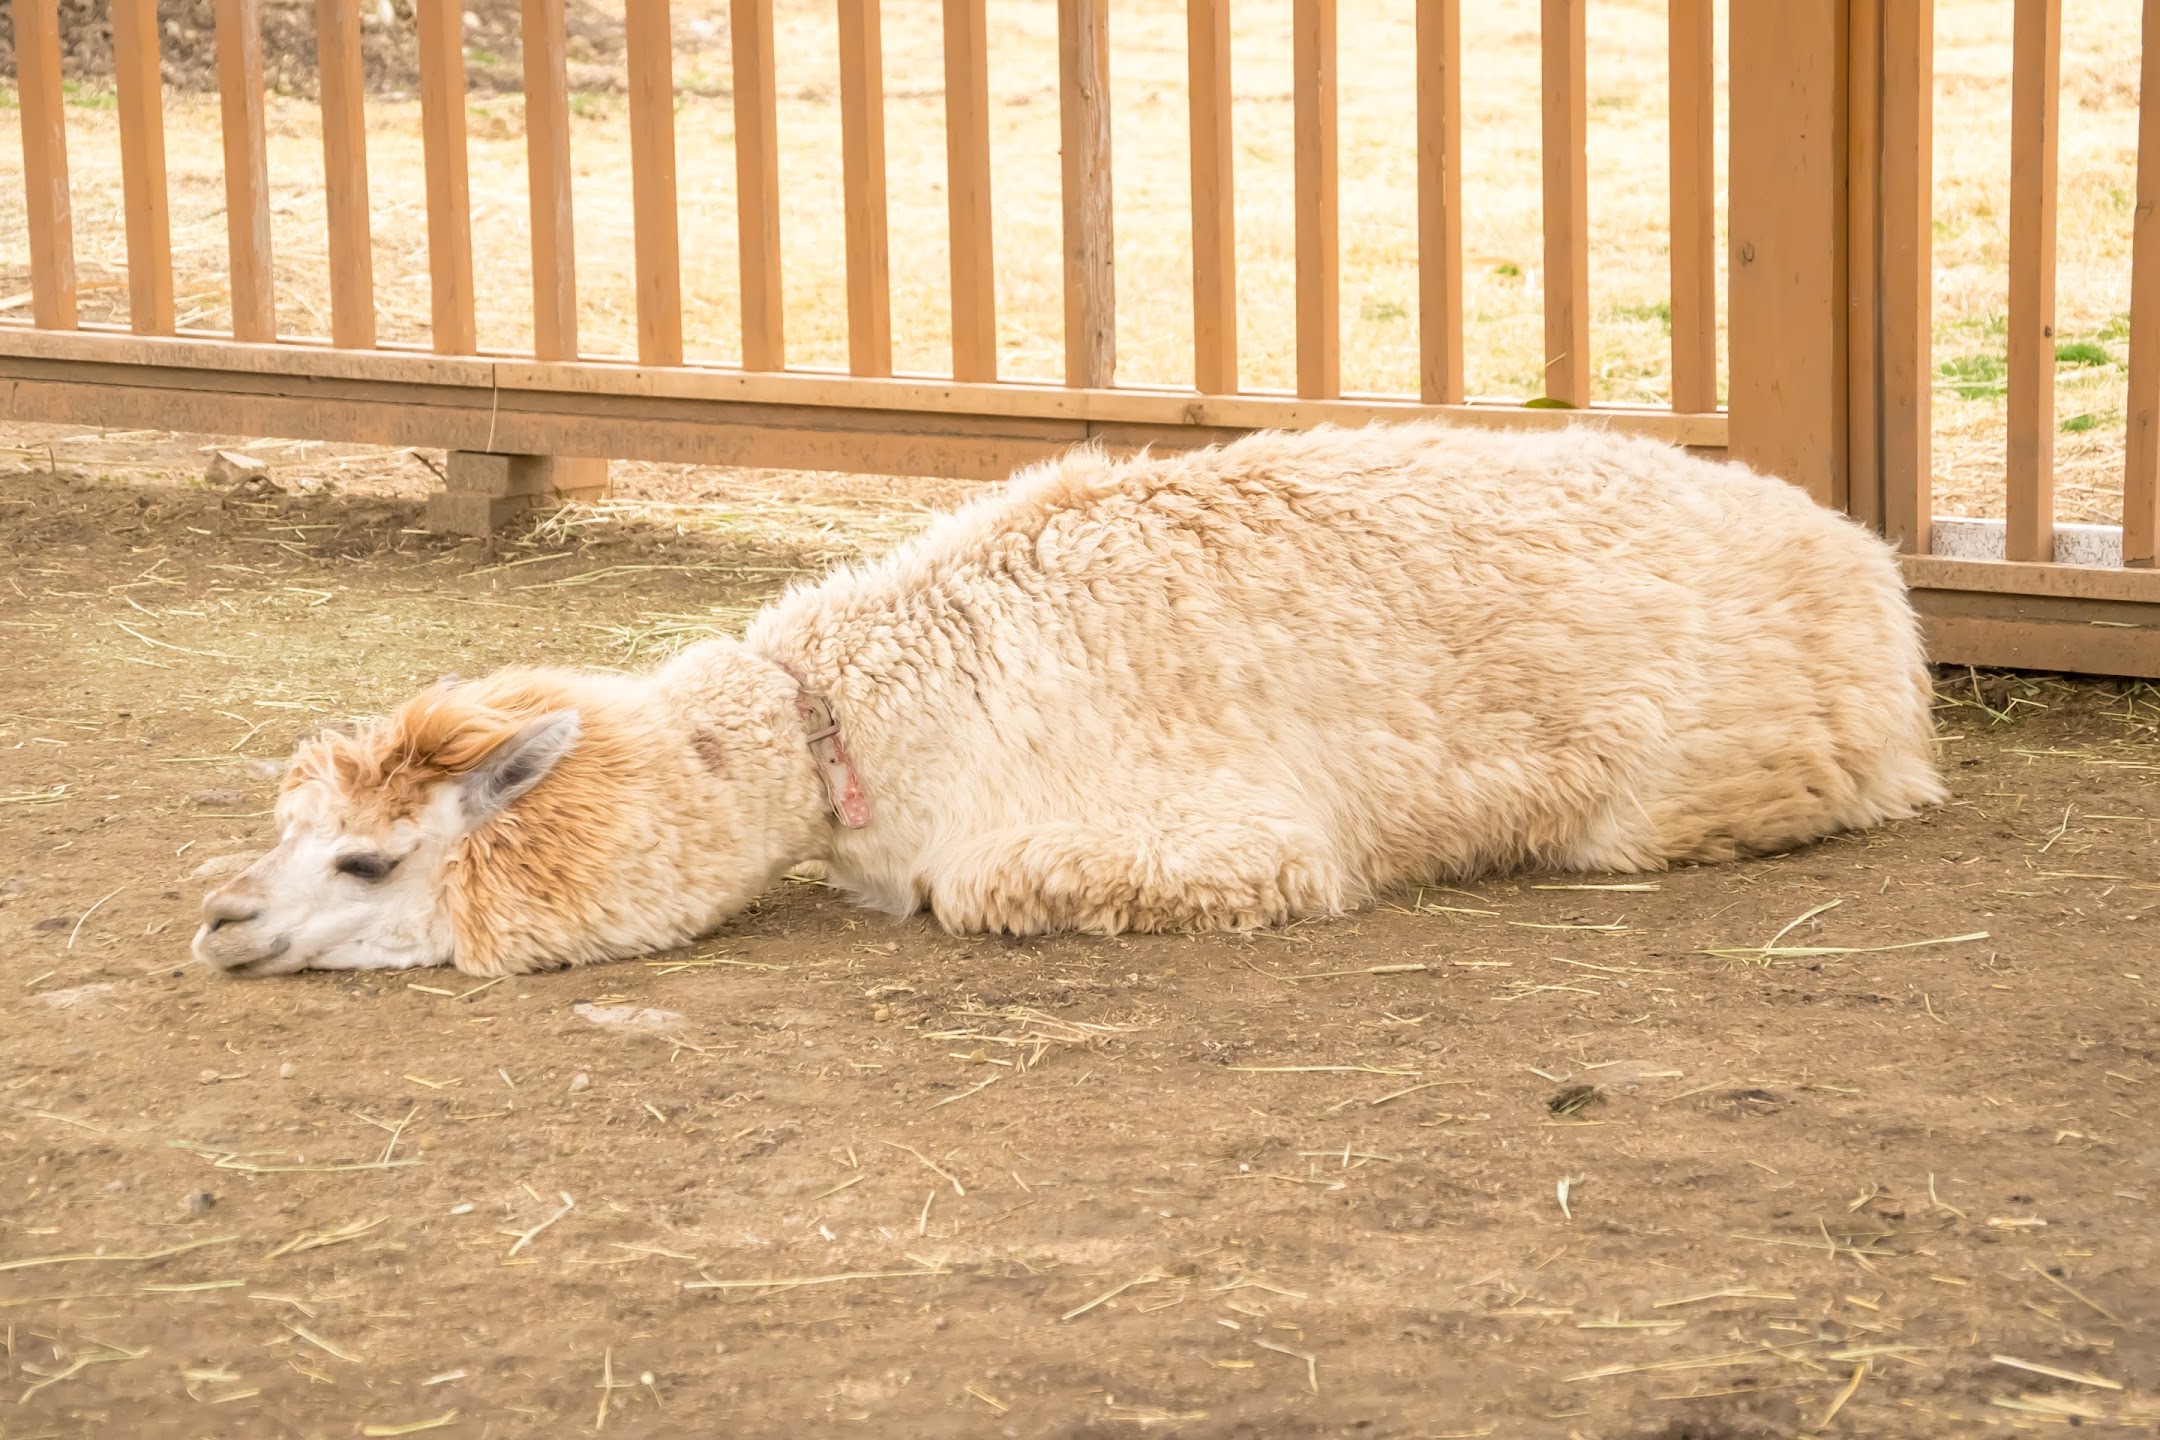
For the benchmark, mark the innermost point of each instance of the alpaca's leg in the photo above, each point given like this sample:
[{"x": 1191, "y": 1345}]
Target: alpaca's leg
[{"x": 1140, "y": 875}]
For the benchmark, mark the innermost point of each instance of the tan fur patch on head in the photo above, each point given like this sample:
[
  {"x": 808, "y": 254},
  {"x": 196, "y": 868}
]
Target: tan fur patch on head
[{"x": 384, "y": 772}]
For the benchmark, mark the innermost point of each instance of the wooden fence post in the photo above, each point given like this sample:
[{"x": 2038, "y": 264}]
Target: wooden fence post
[
  {"x": 1562, "y": 45},
  {"x": 1084, "y": 135},
  {"x": 1787, "y": 207},
  {"x": 138, "y": 79},
  {"x": 247, "y": 169},
  {"x": 45, "y": 172},
  {"x": 547, "y": 169},
  {"x": 757, "y": 185},
  {"x": 967, "y": 184},
  {"x": 341, "y": 84}
]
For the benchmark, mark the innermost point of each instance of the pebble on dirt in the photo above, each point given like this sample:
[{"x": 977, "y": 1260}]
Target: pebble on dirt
[{"x": 580, "y": 1082}]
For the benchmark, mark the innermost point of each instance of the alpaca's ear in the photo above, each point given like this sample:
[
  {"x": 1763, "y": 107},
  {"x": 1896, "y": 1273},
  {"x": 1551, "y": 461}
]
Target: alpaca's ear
[{"x": 512, "y": 768}]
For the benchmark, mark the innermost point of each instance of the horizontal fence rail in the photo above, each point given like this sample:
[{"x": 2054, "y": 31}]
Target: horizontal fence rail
[{"x": 1828, "y": 318}]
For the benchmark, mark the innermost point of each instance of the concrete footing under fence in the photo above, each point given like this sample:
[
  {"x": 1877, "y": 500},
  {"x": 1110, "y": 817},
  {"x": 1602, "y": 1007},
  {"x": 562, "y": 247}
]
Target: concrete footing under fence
[
  {"x": 485, "y": 491},
  {"x": 1958, "y": 537}
]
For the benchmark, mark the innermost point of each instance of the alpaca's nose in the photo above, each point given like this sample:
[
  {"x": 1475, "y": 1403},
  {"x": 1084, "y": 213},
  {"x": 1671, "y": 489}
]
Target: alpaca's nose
[{"x": 225, "y": 908}]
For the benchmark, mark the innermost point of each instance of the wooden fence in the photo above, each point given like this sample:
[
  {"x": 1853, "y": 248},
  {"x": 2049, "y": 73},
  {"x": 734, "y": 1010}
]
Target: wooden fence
[{"x": 1828, "y": 309}]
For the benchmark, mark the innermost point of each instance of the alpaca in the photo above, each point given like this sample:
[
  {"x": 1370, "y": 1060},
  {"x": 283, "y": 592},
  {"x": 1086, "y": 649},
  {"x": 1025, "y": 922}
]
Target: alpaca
[{"x": 1213, "y": 690}]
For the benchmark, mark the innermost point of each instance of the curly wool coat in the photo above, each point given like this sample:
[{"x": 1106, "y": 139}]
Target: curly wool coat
[{"x": 1219, "y": 689}]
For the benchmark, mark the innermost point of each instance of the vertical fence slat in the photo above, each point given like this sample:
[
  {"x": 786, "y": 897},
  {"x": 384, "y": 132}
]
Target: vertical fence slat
[
  {"x": 45, "y": 167},
  {"x": 1907, "y": 294},
  {"x": 449, "y": 198},
  {"x": 651, "y": 57},
  {"x": 1439, "y": 126},
  {"x": 1561, "y": 39},
  {"x": 862, "y": 166},
  {"x": 547, "y": 168},
  {"x": 1319, "y": 277},
  {"x": 2035, "y": 89},
  {"x": 345, "y": 177},
  {"x": 1863, "y": 264},
  {"x": 967, "y": 185},
  {"x": 247, "y": 169},
  {"x": 2141, "y": 466},
  {"x": 1694, "y": 205},
  {"x": 137, "y": 78},
  {"x": 1214, "y": 219},
  {"x": 757, "y": 184},
  {"x": 1084, "y": 145}
]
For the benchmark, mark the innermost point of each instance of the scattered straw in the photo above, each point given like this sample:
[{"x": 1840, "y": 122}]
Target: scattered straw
[
  {"x": 88, "y": 913},
  {"x": 1362, "y": 970},
  {"x": 2076, "y": 1294},
  {"x": 412, "y": 1429},
  {"x": 1112, "y": 1293},
  {"x": 527, "y": 1237},
  {"x": 958, "y": 1188},
  {"x": 1322, "y": 1070},
  {"x": 1312, "y": 1363},
  {"x": 1859, "y": 1373},
  {"x": 115, "y": 1259},
  {"x": 2075, "y": 1377},
  {"x": 110, "y": 1354},
  {"x": 326, "y": 1238},
  {"x": 334, "y": 1351},
  {"x": 1738, "y": 1292},
  {"x": 796, "y": 1282},
  {"x": 962, "y": 1095}
]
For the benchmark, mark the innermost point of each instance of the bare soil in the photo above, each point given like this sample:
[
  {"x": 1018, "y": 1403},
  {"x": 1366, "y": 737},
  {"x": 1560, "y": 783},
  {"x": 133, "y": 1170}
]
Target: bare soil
[{"x": 1525, "y": 1159}]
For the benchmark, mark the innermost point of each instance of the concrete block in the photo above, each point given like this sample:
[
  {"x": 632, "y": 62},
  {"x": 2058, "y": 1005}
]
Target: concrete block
[
  {"x": 476, "y": 472},
  {"x": 486, "y": 490},
  {"x": 464, "y": 513}
]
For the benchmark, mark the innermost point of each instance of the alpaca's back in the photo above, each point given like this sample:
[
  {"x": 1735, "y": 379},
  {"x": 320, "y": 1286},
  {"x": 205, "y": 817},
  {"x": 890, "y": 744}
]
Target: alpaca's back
[{"x": 1423, "y": 650}]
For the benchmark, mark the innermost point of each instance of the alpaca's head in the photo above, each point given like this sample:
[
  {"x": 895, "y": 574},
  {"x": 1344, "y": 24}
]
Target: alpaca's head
[{"x": 372, "y": 827}]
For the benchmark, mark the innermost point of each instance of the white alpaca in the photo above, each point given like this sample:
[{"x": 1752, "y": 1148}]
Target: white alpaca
[{"x": 1213, "y": 690}]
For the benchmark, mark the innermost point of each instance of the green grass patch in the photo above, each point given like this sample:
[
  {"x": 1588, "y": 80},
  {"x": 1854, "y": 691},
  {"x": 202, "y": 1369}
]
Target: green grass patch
[
  {"x": 2090, "y": 420},
  {"x": 1508, "y": 268},
  {"x": 2082, "y": 352},
  {"x": 1661, "y": 312},
  {"x": 1983, "y": 376},
  {"x": 88, "y": 97},
  {"x": 1381, "y": 312}
]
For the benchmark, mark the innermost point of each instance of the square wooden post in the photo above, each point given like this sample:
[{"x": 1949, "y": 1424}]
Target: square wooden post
[{"x": 1787, "y": 305}]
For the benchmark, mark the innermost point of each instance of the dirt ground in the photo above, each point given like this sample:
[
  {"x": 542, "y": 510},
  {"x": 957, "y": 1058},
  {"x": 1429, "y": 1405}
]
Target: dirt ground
[{"x": 1856, "y": 1141}]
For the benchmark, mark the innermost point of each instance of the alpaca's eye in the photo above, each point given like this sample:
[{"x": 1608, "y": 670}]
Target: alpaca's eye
[{"x": 365, "y": 866}]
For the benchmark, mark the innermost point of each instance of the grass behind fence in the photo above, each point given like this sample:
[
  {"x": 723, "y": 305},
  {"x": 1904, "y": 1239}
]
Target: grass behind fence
[{"x": 1503, "y": 296}]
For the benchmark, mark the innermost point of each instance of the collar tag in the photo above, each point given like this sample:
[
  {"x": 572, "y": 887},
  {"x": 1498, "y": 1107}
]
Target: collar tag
[{"x": 843, "y": 788}]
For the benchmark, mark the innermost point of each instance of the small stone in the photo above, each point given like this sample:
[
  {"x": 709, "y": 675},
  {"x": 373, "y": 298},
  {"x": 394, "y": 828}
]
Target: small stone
[
  {"x": 464, "y": 1209},
  {"x": 202, "y": 1202},
  {"x": 287, "y": 1070},
  {"x": 645, "y": 1377},
  {"x": 217, "y": 799},
  {"x": 719, "y": 1347},
  {"x": 208, "y": 1077},
  {"x": 883, "y": 1012},
  {"x": 243, "y": 475},
  {"x": 53, "y": 922},
  {"x": 580, "y": 1083}
]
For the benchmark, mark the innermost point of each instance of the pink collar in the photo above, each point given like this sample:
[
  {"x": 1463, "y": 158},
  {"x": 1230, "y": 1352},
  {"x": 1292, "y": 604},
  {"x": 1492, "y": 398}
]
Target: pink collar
[{"x": 843, "y": 787}]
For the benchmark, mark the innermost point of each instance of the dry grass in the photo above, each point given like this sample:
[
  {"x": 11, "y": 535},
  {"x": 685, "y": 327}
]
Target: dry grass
[{"x": 1502, "y": 294}]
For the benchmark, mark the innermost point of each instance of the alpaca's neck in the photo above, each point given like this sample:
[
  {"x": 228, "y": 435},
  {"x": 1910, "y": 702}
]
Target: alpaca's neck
[{"x": 690, "y": 792}]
